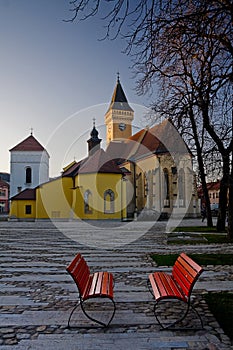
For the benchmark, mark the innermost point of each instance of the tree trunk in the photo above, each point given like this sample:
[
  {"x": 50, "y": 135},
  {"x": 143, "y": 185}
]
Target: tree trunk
[
  {"x": 201, "y": 169},
  {"x": 230, "y": 206},
  {"x": 221, "y": 223}
]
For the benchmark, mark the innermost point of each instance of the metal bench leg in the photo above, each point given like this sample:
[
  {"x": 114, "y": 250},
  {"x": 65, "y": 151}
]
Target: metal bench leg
[
  {"x": 97, "y": 321},
  {"x": 179, "y": 319},
  {"x": 198, "y": 315},
  {"x": 72, "y": 313}
]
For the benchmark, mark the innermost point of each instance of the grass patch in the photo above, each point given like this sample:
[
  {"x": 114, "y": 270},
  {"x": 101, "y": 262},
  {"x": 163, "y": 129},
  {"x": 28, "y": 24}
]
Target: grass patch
[
  {"x": 217, "y": 238},
  {"x": 221, "y": 306},
  {"x": 197, "y": 235},
  {"x": 195, "y": 229},
  {"x": 201, "y": 259}
]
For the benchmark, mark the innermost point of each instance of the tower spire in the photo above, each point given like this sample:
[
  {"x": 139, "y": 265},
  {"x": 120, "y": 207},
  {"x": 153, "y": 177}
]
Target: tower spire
[
  {"x": 119, "y": 116},
  {"x": 94, "y": 141}
]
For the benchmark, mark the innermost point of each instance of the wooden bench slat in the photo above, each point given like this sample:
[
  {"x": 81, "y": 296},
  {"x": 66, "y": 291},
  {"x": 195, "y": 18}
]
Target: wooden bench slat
[
  {"x": 186, "y": 268},
  {"x": 87, "y": 289},
  {"x": 173, "y": 289},
  {"x": 154, "y": 286},
  {"x": 110, "y": 285},
  {"x": 99, "y": 284},
  {"x": 93, "y": 284},
  {"x": 182, "y": 277},
  {"x": 105, "y": 283},
  {"x": 164, "y": 286},
  {"x": 81, "y": 274},
  {"x": 192, "y": 263},
  {"x": 164, "y": 279}
]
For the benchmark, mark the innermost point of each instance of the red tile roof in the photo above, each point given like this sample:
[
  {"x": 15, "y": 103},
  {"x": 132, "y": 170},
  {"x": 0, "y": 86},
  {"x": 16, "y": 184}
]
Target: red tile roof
[
  {"x": 161, "y": 138},
  {"x": 211, "y": 186},
  {"x": 29, "y": 144}
]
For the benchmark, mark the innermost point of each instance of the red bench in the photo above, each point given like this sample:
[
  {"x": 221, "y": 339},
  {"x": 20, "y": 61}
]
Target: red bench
[
  {"x": 177, "y": 285},
  {"x": 96, "y": 285}
]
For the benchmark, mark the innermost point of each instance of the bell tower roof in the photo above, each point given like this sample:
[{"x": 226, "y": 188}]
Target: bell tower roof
[
  {"x": 119, "y": 100},
  {"x": 94, "y": 141}
]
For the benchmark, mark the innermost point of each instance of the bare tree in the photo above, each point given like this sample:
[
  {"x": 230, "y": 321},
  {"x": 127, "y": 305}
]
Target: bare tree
[{"x": 185, "y": 46}]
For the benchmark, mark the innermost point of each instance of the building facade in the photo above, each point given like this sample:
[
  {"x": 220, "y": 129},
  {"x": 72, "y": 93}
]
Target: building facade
[
  {"x": 4, "y": 197},
  {"x": 146, "y": 176}
]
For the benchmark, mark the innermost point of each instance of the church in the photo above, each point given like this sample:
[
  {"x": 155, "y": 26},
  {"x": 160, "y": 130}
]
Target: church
[{"x": 142, "y": 176}]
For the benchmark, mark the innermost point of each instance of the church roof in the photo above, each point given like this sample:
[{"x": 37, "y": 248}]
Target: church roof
[
  {"x": 27, "y": 194},
  {"x": 98, "y": 162},
  {"x": 119, "y": 100},
  {"x": 160, "y": 139},
  {"x": 29, "y": 144}
]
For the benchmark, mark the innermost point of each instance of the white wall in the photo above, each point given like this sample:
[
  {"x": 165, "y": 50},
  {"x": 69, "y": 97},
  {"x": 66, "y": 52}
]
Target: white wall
[{"x": 37, "y": 161}]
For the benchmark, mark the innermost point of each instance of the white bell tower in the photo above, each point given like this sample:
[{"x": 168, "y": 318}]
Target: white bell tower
[{"x": 29, "y": 165}]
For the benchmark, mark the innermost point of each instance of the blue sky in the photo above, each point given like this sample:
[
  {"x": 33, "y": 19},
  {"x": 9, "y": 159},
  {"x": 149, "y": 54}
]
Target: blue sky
[{"x": 55, "y": 78}]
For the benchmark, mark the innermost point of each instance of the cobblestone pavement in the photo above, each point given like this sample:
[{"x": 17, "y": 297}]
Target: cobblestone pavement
[{"x": 37, "y": 294}]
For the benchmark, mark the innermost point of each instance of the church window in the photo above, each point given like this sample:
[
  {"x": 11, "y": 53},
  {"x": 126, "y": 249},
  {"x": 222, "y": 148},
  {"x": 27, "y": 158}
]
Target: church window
[
  {"x": 87, "y": 202},
  {"x": 166, "y": 188},
  {"x": 28, "y": 175},
  {"x": 109, "y": 201},
  {"x": 28, "y": 209},
  {"x": 181, "y": 188}
]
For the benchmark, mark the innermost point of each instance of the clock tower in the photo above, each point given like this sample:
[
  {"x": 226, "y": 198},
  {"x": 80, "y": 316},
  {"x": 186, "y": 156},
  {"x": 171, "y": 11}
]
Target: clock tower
[{"x": 119, "y": 116}]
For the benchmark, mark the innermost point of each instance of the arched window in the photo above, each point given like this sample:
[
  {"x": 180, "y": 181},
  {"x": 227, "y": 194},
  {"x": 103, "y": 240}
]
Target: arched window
[
  {"x": 109, "y": 201},
  {"x": 166, "y": 187},
  {"x": 181, "y": 187},
  {"x": 28, "y": 175},
  {"x": 87, "y": 202}
]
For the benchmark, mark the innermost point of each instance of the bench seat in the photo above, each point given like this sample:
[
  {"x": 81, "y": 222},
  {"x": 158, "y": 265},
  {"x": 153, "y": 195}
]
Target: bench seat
[
  {"x": 99, "y": 284},
  {"x": 95, "y": 285},
  {"x": 177, "y": 285},
  {"x": 164, "y": 286}
]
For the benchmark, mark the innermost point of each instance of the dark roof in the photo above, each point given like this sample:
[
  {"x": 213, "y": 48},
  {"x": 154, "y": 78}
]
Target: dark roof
[
  {"x": 27, "y": 194},
  {"x": 29, "y": 144},
  {"x": 119, "y": 100},
  {"x": 211, "y": 186},
  {"x": 98, "y": 162}
]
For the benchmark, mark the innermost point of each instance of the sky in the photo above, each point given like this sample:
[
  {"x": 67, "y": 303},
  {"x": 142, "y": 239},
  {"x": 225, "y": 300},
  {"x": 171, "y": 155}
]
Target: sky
[{"x": 55, "y": 78}]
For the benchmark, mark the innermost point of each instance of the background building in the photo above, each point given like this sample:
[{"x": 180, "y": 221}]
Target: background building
[
  {"x": 4, "y": 197},
  {"x": 29, "y": 165}
]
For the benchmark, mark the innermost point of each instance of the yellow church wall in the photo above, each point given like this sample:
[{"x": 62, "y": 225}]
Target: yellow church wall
[
  {"x": 23, "y": 209},
  {"x": 90, "y": 203},
  {"x": 54, "y": 199}
]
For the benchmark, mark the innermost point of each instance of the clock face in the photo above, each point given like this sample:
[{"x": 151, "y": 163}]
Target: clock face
[{"x": 122, "y": 126}]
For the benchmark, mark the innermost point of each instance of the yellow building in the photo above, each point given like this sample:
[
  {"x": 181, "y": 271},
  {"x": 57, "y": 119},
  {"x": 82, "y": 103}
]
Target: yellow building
[
  {"x": 147, "y": 175},
  {"x": 90, "y": 189}
]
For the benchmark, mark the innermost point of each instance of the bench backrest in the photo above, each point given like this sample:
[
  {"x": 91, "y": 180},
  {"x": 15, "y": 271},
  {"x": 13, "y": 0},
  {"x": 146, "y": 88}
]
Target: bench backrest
[
  {"x": 79, "y": 271},
  {"x": 186, "y": 272}
]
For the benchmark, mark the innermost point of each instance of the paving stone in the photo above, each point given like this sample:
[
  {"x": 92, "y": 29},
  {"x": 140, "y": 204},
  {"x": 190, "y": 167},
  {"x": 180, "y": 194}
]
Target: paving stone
[{"x": 37, "y": 295}]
